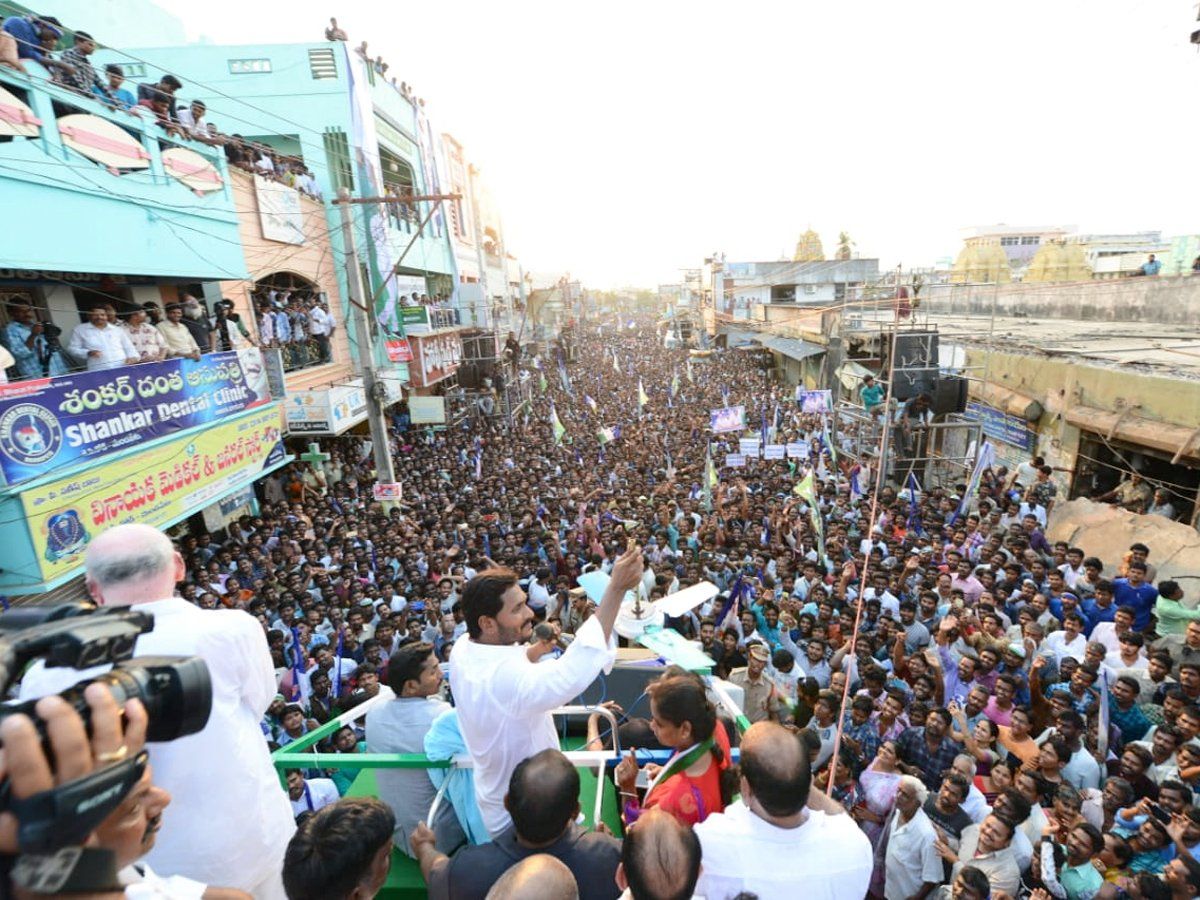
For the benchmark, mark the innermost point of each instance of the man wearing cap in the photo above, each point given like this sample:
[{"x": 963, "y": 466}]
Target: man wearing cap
[{"x": 763, "y": 700}]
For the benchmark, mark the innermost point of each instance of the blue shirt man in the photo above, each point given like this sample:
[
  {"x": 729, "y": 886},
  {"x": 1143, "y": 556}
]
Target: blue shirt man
[
  {"x": 1151, "y": 266},
  {"x": 30, "y": 33},
  {"x": 1133, "y": 591}
]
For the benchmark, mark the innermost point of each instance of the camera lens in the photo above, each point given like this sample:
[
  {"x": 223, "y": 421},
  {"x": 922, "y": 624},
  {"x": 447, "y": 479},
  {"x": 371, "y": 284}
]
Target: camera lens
[{"x": 176, "y": 691}]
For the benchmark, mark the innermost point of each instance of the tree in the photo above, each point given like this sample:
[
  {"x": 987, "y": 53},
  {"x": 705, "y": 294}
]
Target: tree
[{"x": 845, "y": 246}]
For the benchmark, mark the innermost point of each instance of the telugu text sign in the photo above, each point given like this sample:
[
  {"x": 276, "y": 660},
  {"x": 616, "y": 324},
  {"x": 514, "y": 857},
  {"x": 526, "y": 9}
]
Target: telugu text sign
[
  {"x": 156, "y": 487},
  {"x": 53, "y": 422}
]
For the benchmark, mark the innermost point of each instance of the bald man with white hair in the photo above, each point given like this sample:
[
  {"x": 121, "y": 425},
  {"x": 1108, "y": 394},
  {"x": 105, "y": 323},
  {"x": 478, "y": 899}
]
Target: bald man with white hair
[{"x": 229, "y": 822}]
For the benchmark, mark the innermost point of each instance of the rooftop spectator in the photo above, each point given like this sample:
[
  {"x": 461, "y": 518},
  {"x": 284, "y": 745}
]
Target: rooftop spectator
[
  {"x": 333, "y": 32},
  {"x": 81, "y": 75}
]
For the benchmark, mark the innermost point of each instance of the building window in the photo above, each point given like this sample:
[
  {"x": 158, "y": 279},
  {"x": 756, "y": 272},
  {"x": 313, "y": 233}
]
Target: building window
[
  {"x": 1009, "y": 241},
  {"x": 321, "y": 64},
  {"x": 249, "y": 66},
  {"x": 337, "y": 152},
  {"x": 1027, "y": 241}
]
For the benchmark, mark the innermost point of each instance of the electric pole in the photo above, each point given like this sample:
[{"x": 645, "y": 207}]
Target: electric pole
[{"x": 359, "y": 299}]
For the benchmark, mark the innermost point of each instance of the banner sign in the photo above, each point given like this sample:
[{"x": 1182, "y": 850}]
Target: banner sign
[
  {"x": 427, "y": 410},
  {"x": 329, "y": 411},
  {"x": 748, "y": 446},
  {"x": 798, "y": 450},
  {"x": 388, "y": 491},
  {"x": 434, "y": 358},
  {"x": 735, "y": 461},
  {"x": 1001, "y": 426},
  {"x": 774, "y": 451},
  {"x": 279, "y": 212},
  {"x": 815, "y": 401},
  {"x": 157, "y": 487},
  {"x": 730, "y": 418},
  {"x": 49, "y": 423},
  {"x": 398, "y": 350}
]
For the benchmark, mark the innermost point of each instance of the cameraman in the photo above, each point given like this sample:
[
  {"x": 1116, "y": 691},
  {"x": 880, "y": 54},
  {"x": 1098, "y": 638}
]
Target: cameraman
[
  {"x": 230, "y": 821},
  {"x": 129, "y": 831},
  {"x": 35, "y": 345}
]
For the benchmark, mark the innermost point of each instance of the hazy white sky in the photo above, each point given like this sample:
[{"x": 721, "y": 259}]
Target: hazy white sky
[{"x": 624, "y": 141}]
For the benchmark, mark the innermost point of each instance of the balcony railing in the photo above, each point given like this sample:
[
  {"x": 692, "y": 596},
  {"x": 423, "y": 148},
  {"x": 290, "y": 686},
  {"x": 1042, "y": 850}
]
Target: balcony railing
[{"x": 139, "y": 149}]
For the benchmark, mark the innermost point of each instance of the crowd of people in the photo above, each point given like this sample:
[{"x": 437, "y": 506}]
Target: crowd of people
[{"x": 940, "y": 699}]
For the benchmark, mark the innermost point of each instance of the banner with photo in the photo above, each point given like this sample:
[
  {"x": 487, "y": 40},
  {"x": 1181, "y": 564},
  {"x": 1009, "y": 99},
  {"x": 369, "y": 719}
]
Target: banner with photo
[
  {"x": 49, "y": 423},
  {"x": 727, "y": 419},
  {"x": 814, "y": 401}
]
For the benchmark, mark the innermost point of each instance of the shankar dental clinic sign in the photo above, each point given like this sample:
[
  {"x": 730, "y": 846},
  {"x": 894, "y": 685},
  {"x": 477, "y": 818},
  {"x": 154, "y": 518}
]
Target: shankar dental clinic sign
[{"x": 49, "y": 423}]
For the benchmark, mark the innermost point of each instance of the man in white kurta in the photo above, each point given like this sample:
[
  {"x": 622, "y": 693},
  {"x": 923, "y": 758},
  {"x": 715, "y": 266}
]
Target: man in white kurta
[
  {"x": 503, "y": 699},
  {"x": 229, "y": 821},
  {"x": 101, "y": 344}
]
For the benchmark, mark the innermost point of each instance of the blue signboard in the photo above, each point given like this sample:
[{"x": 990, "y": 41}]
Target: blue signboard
[
  {"x": 1001, "y": 426},
  {"x": 49, "y": 423}
]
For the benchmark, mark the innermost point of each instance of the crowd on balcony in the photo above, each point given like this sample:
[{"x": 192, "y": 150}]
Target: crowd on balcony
[
  {"x": 298, "y": 323},
  {"x": 301, "y": 326},
  {"x": 33, "y": 38}
]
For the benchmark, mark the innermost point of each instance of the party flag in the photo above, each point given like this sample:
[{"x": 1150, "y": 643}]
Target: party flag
[
  {"x": 590, "y": 402},
  {"x": 616, "y": 364},
  {"x": 642, "y": 398},
  {"x": 914, "y": 513},
  {"x": 559, "y": 429},
  {"x": 690, "y": 379}
]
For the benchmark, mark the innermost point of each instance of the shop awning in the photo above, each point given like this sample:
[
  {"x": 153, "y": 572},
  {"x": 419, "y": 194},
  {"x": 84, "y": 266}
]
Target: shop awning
[
  {"x": 1177, "y": 440},
  {"x": 1007, "y": 400},
  {"x": 793, "y": 347}
]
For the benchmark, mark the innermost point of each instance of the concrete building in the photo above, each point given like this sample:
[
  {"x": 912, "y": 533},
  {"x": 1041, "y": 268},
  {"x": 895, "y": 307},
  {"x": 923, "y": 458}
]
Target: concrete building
[
  {"x": 1020, "y": 242},
  {"x": 1100, "y": 378},
  {"x": 112, "y": 209}
]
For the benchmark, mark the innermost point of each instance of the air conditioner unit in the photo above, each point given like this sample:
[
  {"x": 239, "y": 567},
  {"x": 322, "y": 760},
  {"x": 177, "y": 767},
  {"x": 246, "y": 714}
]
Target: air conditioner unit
[{"x": 810, "y": 289}]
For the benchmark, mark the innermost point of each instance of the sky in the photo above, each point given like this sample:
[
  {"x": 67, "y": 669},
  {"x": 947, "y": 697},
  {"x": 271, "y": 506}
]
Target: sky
[{"x": 625, "y": 141}]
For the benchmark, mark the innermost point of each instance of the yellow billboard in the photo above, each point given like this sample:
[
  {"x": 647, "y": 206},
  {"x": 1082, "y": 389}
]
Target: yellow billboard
[{"x": 158, "y": 486}]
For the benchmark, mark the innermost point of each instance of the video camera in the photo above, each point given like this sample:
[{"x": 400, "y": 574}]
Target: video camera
[{"x": 176, "y": 691}]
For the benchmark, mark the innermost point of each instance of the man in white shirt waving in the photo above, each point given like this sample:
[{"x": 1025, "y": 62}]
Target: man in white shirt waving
[
  {"x": 205, "y": 836},
  {"x": 504, "y": 700}
]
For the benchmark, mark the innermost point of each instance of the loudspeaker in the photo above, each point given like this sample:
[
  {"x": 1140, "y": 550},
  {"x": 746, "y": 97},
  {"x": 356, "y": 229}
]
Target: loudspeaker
[
  {"x": 949, "y": 395},
  {"x": 908, "y": 383},
  {"x": 916, "y": 350},
  {"x": 470, "y": 376}
]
